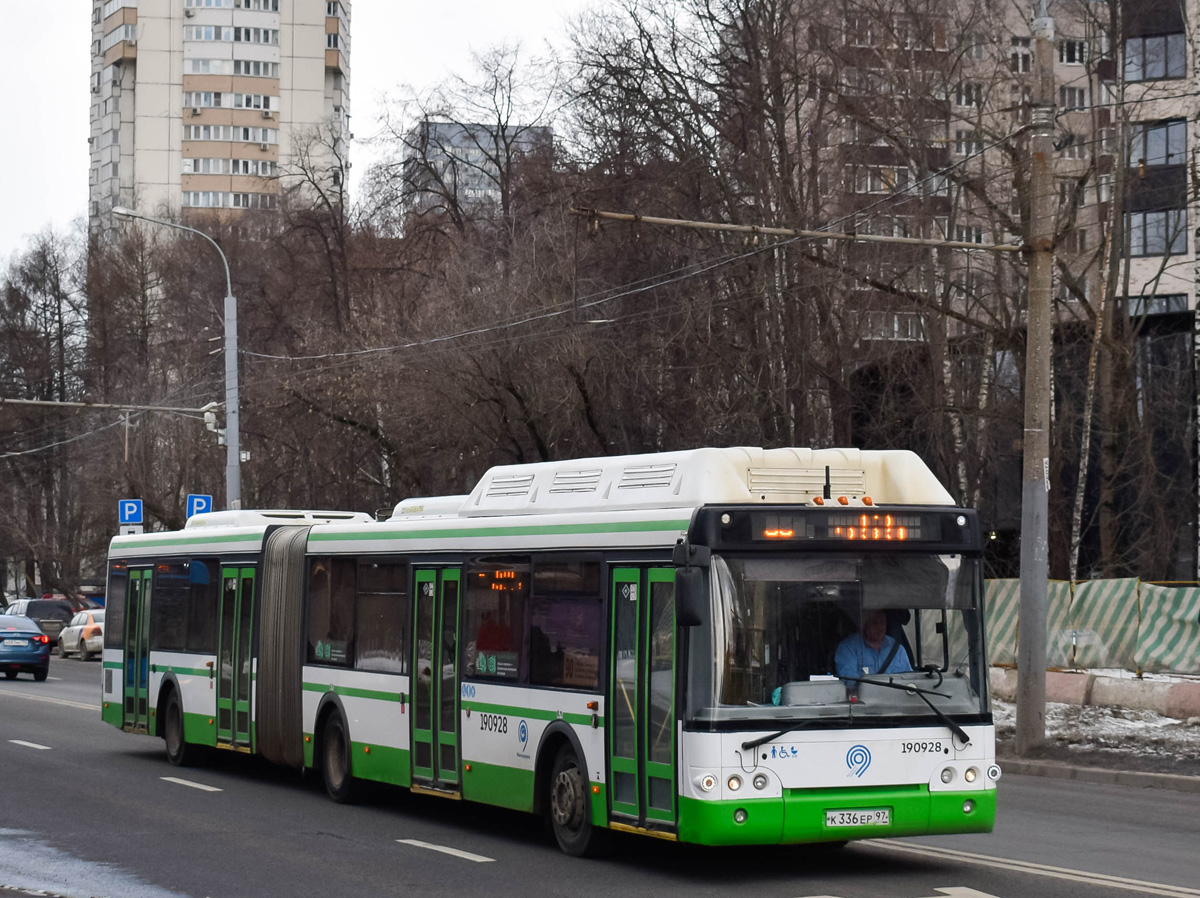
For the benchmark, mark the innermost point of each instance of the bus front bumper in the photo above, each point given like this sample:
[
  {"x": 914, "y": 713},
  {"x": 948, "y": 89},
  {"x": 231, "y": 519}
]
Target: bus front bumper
[{"x": 800, "y": 815}]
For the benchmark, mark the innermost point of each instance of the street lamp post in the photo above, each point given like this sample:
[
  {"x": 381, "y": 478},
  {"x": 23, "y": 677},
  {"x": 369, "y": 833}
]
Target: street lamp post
[{"x": 233, "y": 449}]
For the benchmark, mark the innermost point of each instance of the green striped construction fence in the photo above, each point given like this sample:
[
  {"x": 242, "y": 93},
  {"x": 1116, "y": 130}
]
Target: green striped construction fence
[{"x": 1095, "y": 624}]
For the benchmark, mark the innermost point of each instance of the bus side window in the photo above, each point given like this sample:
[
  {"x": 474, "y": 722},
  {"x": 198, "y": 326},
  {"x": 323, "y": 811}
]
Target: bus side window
[
  {"x": 114, "y": 604},
  {"x": 494, "y": 618},
  {"x": 331, "y": 611},
  {"x": 381, "y": 617}
]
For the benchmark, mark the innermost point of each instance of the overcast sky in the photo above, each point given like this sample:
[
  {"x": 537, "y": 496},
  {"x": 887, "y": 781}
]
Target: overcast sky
[{"x": 44, "y": 160}]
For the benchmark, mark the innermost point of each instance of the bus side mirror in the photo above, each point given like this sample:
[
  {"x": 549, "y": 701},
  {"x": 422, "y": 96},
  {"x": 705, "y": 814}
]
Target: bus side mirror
[{"x": 689, "y": 595}]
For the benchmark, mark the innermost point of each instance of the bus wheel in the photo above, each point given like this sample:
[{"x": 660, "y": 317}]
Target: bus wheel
[
  {"x": 570, "y": 809},
  {"x": 179, "y": 752},
  {"x": 335, "y": 761}
]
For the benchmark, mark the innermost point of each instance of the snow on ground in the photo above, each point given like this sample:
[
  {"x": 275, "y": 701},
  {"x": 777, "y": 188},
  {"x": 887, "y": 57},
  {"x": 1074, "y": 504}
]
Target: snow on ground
[{"x": 1110, "y": 737}]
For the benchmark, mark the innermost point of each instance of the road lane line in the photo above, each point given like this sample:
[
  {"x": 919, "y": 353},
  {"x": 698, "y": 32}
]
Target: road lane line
[
  {"x": 52, "y": 701},
  {"x": 1066, "y": 873},
  {"x": 30, "y": 744},
  {"x": 200, "y": 786},
  {"x": 465, "y": 855}
]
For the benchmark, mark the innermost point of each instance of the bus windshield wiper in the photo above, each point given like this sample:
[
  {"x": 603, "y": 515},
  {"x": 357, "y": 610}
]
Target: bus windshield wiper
[
  {"x": 924, "y": 694},
  {"x": 798, "y": 725}
]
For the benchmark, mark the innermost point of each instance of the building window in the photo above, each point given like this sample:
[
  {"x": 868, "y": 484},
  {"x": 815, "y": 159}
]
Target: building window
[
  {"x": 1160, "y": 56},
  {"x": 256, "y": 69},
  {"x": 1104, "y": 188},
  {"x": 1075, "y": 241},
  {"x": 1172, "y": 303},
  {"x": 332, "y": 8},
  {"x": 1072, "y": 52},
  {"x": 967, "y": 143},
  {"x": 206, "y": 4},
  {"x": 968, "y": 94},
  {"x": 1158, "y": 233},
  {"x": 331, "y": 41},
  {"x": 968, "y": 234},
  {"x": 1159, "y": 143},
  {"x": 118, "y": 34},
  {"x": 1073, "y": 146},
  {"x": 860, "y": 30},
  {"x": 1020, "y": 57},
  {"x": 1072, "y": 98}
]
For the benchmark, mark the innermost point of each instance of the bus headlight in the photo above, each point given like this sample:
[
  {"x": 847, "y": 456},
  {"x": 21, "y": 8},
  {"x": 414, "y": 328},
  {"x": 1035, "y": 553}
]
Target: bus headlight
[
  {"x": 734, "y": 783},
  {"x": 708, "y": 782},
  {"x": 740, "y": 815},
  {"x": 760, "y": 781},
  {"x": 968, "y": 806},
  {"x": 947, "y": 774},
  {"x": 970, "y": 775},
  {"x": 994, "y": 772}
]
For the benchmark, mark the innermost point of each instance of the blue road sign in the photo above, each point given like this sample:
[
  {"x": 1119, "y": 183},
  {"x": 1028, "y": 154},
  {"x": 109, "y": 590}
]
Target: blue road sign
[
  {"x": 198, "y": 503},
  {"x": 129, "y": 511}
]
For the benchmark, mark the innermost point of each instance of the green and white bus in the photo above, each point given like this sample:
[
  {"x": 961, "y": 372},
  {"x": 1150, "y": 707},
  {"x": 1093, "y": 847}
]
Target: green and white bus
[{"x": 649, "y": 643}]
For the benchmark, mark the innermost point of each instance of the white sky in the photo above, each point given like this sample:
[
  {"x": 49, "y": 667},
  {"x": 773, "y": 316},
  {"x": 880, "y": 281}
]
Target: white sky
[{"x": 43, "y": 172}]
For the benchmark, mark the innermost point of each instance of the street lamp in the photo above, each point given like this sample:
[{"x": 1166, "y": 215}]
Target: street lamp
[{"x": 233, "y": 449}]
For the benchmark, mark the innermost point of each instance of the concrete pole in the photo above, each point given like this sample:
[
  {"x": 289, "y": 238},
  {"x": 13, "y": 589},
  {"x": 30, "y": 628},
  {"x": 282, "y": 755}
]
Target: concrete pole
[
  {"x": 1039, "y": 347},
  {"x": 233, "y": 442}
]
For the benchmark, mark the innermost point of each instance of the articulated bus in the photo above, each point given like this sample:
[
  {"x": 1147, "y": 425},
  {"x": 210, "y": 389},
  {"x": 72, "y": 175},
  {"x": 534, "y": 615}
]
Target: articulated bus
[{"x": 653, "y": 644}]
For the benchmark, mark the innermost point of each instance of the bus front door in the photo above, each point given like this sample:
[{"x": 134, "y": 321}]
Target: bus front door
[
  {"x": 234, "y": 662},
  {"x": 435, "y": 755},
  {"x": 136, "y": 717},
  {"x": 641, "y": 699}
]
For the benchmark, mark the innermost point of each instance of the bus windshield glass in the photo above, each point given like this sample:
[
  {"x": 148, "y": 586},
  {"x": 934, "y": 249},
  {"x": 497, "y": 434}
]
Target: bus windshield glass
[{"x": 839, "y": 636}]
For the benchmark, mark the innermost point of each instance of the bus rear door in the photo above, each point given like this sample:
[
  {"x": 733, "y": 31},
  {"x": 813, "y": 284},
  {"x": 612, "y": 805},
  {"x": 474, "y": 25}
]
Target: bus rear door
[
  {"x": 135, "y": 717},
  {"x": 641, "y": 699}
]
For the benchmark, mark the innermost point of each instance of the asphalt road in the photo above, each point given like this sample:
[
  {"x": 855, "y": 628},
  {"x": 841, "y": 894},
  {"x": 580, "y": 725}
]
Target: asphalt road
[{"x": 88, "y": 811}]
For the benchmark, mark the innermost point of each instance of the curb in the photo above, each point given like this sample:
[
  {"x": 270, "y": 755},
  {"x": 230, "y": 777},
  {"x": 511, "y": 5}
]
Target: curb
[
  {"x": 1103, "y": 775},
  {"x": 1178, "y": 700}
]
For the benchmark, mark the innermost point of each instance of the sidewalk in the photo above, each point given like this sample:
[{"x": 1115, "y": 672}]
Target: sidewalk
[
  {"x": 1108, "y": 727},
  {"x": 1178, "y": 698}
]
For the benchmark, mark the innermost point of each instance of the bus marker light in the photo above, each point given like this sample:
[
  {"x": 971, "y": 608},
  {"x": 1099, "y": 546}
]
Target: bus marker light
[
  {"x": 595, "y": 790},
  {"x": 210, "y": 721},
  {"x": 467, "y": 767},
  {"x": 968, "y": 806},
  {"x": 947, "y": 774},
  {"x": 867, "y": 500},
  {"x": 734, "y": 783},
  {"x": 593, "y": 706},
  {"x": 970, "y": 775},
  {"x": 366, "y": 749},
  {"x": 739, "y": 816},
  {"x": 842, "y": 500},
  {"x": 308, "y": 738},
  {"x": 760, "y": 781},
  {"x": 817, "y": 500}
]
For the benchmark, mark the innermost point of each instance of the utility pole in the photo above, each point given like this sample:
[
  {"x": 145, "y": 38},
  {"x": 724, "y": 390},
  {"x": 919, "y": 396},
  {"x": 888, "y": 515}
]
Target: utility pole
[{"x": 1035, "y": 480}]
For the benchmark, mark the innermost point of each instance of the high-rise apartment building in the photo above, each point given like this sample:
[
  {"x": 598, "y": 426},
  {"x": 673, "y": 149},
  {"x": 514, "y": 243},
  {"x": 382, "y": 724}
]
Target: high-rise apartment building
[{"x": 214, "y": 104}]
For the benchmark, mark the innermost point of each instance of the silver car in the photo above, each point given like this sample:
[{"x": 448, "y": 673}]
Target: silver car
[{"x": 83, "y": 635}]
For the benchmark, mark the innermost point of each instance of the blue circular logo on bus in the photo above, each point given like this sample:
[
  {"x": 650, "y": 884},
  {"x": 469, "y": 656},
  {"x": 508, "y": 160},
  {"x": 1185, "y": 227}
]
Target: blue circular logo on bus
[
  {"x": 523, "y": 733},
  {"x": 858, "y": 759}
]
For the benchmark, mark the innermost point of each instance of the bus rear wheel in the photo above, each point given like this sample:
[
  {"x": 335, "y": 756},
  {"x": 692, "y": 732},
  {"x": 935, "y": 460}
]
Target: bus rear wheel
[
  {"x": 570, "y": 810},
  {"x": 336, "y": 769},
  {"x": 179, "y": 752}
]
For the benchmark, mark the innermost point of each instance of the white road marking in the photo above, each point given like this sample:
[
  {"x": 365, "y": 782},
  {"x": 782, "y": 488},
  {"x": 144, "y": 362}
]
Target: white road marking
[
  {"x": 52, "y": 701},
  {"x": 952, "y": 892},
  {"x": 465, "y": 855},
  {"x": 30, "y": 744},
  {"x": 1066, "y": 873},
  {"x": 200, "y": 786}
]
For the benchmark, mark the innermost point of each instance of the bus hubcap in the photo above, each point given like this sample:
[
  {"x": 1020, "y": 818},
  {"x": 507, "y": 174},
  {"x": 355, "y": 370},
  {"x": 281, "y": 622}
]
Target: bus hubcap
[{"x": 567, "y": 798}]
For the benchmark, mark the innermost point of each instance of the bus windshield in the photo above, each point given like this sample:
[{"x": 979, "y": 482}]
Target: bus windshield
[{"x": 839, "y": 636}]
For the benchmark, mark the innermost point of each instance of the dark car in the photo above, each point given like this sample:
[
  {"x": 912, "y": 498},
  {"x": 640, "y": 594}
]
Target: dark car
[
  {"x": 24, "y": 648},
  {"x": 51, "y": 615}
]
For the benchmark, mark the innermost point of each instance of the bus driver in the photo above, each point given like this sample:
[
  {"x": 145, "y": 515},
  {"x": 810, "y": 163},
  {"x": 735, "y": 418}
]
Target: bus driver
[{"x": 871, "y": 651}]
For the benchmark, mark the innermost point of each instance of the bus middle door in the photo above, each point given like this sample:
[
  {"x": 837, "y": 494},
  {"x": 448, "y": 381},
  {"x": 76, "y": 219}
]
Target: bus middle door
[
  {"x": 136, "y": 714},
  {"x": 234, "y": 661}
]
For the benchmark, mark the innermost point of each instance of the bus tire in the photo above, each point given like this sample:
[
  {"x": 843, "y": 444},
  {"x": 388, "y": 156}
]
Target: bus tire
[
  {"x": 179, "y": 752},
  {"x": 570, "y": 809},
  {"x": 336, "y": 770}
]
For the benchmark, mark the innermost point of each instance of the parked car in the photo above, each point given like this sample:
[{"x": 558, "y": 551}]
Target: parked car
[
  {"x": 83, "y": 634},
  {"x": 51, "y": 615},
  {"x": 24, "y": 648}
]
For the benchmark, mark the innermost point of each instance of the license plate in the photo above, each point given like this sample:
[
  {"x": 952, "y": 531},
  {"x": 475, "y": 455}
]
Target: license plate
[
  {"x": 859, "y": 817},
  {"x": 20, "y": 642}
]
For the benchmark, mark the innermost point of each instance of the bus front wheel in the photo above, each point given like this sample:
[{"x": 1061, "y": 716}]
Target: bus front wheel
[
  {"x": 335, "y": 762},
  {"x": 570, "y": 810}
]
